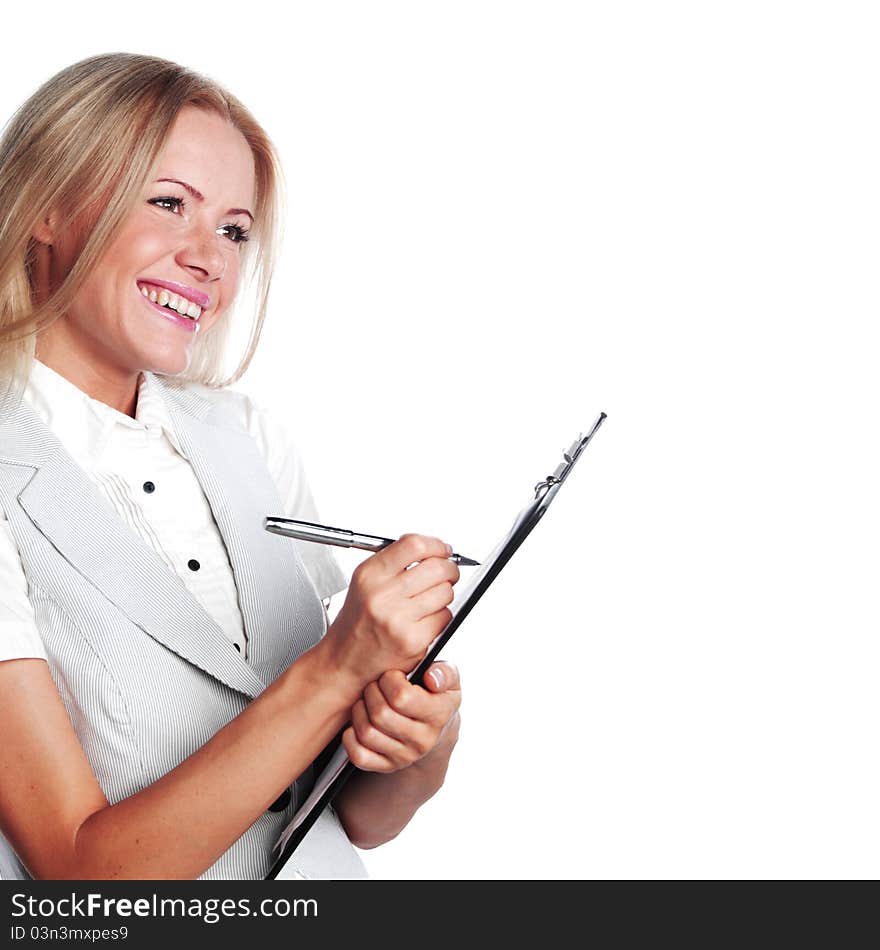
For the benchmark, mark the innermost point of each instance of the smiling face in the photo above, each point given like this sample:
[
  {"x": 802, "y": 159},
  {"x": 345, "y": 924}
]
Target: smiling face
[{"x": 181, "y": 246}]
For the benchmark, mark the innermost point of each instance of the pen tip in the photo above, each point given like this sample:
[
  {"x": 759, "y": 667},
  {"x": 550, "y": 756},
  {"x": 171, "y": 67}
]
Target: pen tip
[{"x": 466, "y": 561}]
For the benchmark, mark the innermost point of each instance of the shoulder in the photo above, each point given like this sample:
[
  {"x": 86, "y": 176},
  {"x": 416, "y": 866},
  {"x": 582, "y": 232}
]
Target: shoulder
[
  {"x": 239, "y": 410},
  {"x": 271, "y": 430}
]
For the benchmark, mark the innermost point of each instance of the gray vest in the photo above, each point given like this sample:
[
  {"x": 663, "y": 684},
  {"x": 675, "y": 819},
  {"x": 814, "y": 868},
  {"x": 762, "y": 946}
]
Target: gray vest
[{"x": 146, "y": 675}]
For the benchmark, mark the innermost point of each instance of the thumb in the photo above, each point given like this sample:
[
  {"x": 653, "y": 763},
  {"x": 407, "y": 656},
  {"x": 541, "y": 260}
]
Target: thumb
[{"x": 441, "y": 676}]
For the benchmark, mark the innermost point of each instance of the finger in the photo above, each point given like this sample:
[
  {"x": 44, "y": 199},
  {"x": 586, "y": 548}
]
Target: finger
[
  {"x": 415, "y": 738},
  {"x": 365, "y": 759},
  {"x": 373, "y": 738},
  {"x": 442, "y": 676},
  {"x": 427, "y": 574},
  {"x": 430, "y": 601},
  {"x": 409, "y": 548},
  {"x": 412, "y": 703},
  {"x": 388, "y": 719}
]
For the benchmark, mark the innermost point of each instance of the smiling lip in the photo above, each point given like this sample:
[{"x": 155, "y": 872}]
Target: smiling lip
[
  {"x": 184, "y": 322},
  {"x": 190, "y": 293}
]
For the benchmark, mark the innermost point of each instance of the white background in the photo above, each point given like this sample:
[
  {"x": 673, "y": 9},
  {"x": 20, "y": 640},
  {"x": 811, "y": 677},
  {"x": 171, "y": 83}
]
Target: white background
[{"x": 502, "y": 219}]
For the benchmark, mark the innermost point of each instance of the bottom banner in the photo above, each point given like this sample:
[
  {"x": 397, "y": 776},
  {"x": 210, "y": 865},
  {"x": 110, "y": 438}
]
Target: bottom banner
[{"x": 257, "y": 913}]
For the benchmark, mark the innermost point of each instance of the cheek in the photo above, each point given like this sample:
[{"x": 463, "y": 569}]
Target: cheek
[
  {"x": 230, "y": 283},
  {"x": 225, "y": 293},
  {"x": 137, "y": 248}
]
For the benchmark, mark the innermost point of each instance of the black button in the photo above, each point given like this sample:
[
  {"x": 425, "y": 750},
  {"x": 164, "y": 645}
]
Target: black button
[
  {"x": 237, "y": 647},
  {"x": 281, "y": 802},
  {"x": 149, "y": 487},
  {"x": 193, "y": 564}
]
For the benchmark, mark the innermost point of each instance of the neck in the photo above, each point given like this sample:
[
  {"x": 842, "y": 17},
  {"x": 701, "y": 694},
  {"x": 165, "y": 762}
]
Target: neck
[{"x": 114, "y": 387}]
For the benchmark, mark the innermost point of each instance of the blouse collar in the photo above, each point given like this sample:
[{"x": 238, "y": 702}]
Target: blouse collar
[{"x": 85, "y": 425}]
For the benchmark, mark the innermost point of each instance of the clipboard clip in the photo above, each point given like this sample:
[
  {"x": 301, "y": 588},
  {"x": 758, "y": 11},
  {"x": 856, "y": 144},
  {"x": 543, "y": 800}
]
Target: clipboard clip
[{"x": 570, "y": 456}]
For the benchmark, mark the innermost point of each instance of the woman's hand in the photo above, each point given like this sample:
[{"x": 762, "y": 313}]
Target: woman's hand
[
  {"x": 392, "y": 611},
  {"x": 396, "y": 724}
]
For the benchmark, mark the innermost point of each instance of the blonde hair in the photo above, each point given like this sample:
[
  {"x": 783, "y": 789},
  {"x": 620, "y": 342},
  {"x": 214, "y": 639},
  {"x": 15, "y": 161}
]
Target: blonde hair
[{"x": 87, "y": 141}]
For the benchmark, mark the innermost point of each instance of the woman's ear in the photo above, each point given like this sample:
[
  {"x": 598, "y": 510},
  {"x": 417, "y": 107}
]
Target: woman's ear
[{"x": 46, "y": 228}]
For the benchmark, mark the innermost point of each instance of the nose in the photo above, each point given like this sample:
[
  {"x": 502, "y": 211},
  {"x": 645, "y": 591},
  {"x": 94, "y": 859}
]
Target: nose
[{"x": 202, "y": 255}]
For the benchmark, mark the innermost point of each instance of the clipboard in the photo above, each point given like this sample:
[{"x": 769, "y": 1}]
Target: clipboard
[{"x": 339, "y": 769}]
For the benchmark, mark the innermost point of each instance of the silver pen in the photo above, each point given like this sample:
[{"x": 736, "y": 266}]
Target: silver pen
[{"x": 323, "y": 534}]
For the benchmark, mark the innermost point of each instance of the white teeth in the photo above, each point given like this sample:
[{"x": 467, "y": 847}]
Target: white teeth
[{"x": 165, "y": 298}]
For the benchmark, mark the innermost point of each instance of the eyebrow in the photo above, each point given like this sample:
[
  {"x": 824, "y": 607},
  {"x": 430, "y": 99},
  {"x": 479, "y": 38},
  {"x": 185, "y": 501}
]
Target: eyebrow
[{"x": 200, "y": 197}]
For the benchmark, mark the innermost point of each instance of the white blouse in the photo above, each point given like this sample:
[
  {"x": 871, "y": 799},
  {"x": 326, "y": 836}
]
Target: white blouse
[{"x": 142, "y": 471}]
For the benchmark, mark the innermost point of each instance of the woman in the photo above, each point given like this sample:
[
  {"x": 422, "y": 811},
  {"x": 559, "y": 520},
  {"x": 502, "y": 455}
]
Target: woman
[{"x": 167, "y": 674}]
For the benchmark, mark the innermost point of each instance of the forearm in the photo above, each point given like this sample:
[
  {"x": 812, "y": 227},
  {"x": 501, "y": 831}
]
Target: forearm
[
  {"x": 375, "y": 807},
  {"x": 180, "y": 825}
]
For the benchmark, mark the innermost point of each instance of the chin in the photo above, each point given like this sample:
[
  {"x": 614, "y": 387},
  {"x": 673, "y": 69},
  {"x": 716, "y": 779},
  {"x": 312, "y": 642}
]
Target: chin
[{"x": 167, "y": 364}]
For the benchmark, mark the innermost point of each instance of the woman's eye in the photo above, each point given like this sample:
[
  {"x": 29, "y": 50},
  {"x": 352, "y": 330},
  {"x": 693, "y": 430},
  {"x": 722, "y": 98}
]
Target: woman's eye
[
  {"x": 172, "y": 204},
  {"x": 234, "y": 232}
]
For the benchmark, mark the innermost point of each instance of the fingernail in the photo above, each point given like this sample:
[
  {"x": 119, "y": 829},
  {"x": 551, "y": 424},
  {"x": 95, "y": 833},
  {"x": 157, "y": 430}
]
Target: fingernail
[
  {"x": 437, "y": 678},
  {"x": 449, "y": 549}
]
